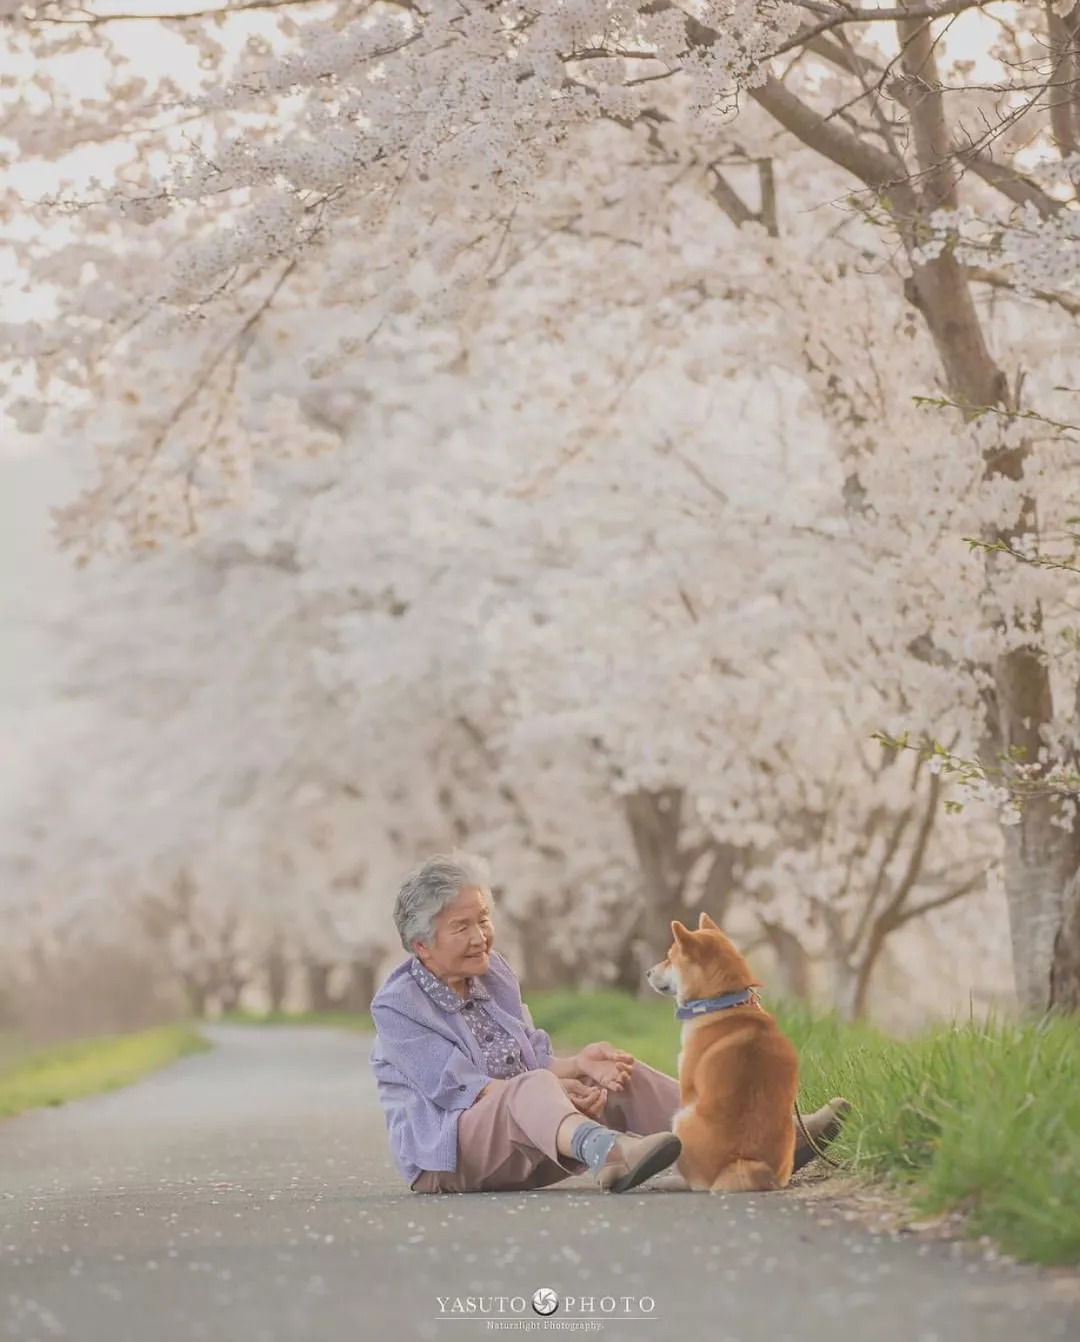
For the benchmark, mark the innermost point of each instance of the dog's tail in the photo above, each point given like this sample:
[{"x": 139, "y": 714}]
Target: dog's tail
[{"x": 746, "y": 1176}]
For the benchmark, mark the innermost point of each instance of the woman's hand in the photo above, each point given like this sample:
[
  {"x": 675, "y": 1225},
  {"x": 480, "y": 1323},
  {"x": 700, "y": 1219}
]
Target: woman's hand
[
  {"x": 605, "y": 1065},
  {"x": 589, "y": 1099}
]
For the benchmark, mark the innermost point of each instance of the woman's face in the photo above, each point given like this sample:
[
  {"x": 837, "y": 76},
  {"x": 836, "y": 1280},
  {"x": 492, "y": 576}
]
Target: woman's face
[{"x": 463, "y": 937}]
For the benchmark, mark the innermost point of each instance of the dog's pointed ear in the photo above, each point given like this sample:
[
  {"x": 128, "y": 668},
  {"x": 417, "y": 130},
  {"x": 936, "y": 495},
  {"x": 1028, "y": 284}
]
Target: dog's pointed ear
[
  {"x": 706, "y": 924},
  {"x": 682, "y": 934}
]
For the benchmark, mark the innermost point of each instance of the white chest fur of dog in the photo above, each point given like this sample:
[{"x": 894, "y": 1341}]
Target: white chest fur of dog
[{"x": 687, "y": 1110}]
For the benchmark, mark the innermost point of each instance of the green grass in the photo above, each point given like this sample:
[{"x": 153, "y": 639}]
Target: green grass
[
  {"x": 81, "y": 1067},
  {"x": 982, "y": 1117}
]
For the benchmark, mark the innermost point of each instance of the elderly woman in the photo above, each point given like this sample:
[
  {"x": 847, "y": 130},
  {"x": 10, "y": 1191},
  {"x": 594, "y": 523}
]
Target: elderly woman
[{"x": 474, "y": 1099}]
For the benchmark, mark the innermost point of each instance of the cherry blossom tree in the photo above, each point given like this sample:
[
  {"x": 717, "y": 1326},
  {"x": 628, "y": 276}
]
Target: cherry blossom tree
[
  {"x": 403, "y": 165},
  {"x": 664, "y": 727},
  {"x": 411, "y": 571}
]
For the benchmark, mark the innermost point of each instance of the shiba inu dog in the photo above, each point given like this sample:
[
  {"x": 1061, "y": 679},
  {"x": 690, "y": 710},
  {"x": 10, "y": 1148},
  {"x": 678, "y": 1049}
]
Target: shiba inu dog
[{"x": 738, "y": 1075}]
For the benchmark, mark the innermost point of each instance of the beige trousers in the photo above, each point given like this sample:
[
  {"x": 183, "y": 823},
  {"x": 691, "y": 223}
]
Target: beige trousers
[{"x": 506, "y": 1140}]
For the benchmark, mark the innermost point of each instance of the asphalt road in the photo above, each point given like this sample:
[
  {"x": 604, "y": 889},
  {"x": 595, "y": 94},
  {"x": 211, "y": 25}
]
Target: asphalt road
[{"x": 246, "y": 1194}]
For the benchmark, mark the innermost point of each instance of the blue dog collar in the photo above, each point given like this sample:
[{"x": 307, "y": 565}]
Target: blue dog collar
[{"x": 704, "y": 1006}]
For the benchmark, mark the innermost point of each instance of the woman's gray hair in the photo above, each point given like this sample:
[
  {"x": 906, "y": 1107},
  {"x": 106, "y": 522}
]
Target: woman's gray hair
[{"x": 427, "y": 891}]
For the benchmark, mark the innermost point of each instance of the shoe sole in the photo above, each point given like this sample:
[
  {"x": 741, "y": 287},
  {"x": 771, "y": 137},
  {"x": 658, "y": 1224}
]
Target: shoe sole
[
  {"x": 658, "y": 1159},
  {"x": 835, "y": 1126},
  {"x": 805, "y": 1153}
]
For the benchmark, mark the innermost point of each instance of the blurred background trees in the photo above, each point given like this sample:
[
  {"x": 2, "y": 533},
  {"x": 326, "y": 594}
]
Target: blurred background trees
[{"x": 555, "y": 432}]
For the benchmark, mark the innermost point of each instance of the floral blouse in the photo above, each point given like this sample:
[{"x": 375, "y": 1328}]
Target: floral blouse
[{"x": 502, "y": 1057}]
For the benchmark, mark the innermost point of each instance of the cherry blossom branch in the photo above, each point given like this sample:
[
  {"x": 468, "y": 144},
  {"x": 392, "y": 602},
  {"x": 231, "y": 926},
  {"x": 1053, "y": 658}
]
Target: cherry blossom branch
[
  {"x": 917, "y": 853},
  {"x": 895, "y": 915},
  {"x": 1001, "y": 177},
  {"x": 896, "y": 837},
  {"x": 918, "y": 60},
  {"x": 974, "y": 412},
  {"x": 973, "y": 883},
  {"x": 1063, "y": 75},
  {"x": 88, "y": 19},
  {"x": 1008, "y": 181},
  {"x": 860, "y": 849},
  {"x": 843, "y": 18},
  {"x": 872, "y": 166},
  {"x": 508, "y": 793},
  {"x": 1012, "y": 782},
  {"x": 1036, "y": 560},
  {"x": 850, "y": 14},
  {"x": 729, "y": 200},
  {"x": 996, "y": 280},
  {"x": 233, "y": 348}
]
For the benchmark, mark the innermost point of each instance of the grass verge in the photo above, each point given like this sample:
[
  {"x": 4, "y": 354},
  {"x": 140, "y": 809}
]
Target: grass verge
[
  {"x": 81, "y": 1067},
  {"x": 980, "y": 1117}
]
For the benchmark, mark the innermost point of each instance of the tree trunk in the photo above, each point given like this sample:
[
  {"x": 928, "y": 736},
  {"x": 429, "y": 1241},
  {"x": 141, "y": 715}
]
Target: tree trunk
[
  {"x": 655, "y": 820},
  {"x": 668, "y": 870},
  {"x": 1040, "y": 856},
  {"x": 228, "y": 993},
  {"x": 1040, "y": 862},
  {"x": 1037, "y": 874},
  {"x": 277, "y": 979},
  {"x": 318, "y": 983},
  {"x": 361, "y": 987},
  {"x": 1065, "y": 965},
  {"x": 863, "y": 975},
  {"x": 1065, "y": 955},
  {"x": 844, "y": 980},
  {"x": 628, "y": 966},
  {"x": 196, "y": 996},
  {"x": 794, "y": 968},
  {"x": 543, "y": 969}
]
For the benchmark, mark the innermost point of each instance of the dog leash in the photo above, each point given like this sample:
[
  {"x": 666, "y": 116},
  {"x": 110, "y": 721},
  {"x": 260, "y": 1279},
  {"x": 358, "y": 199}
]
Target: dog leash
[{"x": 821, "y": 1155}]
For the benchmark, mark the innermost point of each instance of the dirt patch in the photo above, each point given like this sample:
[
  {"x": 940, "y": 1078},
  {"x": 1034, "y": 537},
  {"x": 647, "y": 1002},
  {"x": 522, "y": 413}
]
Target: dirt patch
[{"x": 882, "y": 1210}]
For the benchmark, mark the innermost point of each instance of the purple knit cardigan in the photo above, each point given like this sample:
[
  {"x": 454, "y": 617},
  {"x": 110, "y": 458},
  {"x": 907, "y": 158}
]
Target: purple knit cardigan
[{"x": 428, "y": 1065}]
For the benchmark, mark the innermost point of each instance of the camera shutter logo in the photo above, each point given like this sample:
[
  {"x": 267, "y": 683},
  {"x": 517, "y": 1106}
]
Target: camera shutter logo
[{"x": 545, "y": 1301}]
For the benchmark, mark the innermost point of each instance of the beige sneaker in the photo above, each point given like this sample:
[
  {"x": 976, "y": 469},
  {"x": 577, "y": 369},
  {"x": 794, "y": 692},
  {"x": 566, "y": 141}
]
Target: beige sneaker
[
  {"x": 632, "y": 1160},
  {"x": 824, "y": 1126},
  {"x": 825, "y": 1123}
]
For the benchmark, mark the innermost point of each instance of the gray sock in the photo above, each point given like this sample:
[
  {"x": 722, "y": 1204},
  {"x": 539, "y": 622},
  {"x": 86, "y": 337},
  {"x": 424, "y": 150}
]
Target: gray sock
[{"x": 591, "y": 1142}]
